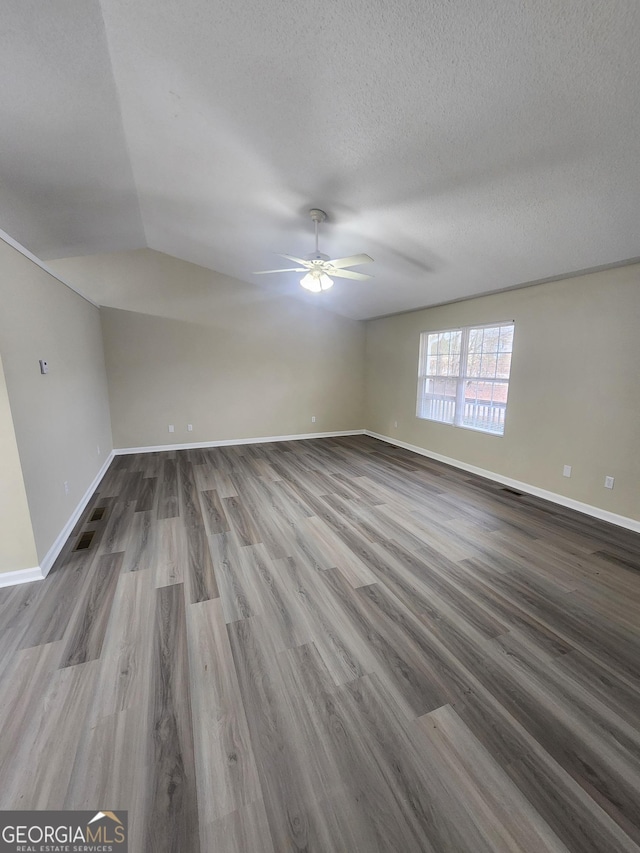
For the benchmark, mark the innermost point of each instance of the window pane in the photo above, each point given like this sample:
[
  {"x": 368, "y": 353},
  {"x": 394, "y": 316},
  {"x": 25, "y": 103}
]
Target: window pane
[
  {"x": 503, "y": 365},
  {"x": 445, "y": 367},
  {"x": 471, "y": 390},
  {"x": 475, "y": 340},
  {"x": 500, "y": 392},
  {"x": 448, "y": 342},
  {"x": 439, "y": 405},
  {"x": 440, "y": 353},
  {"x": 489, "y": 357},
  {"x": 474, "y": 360},
  {"x": 437, "y": 395},
  {"x": 485, "y": 406},
  {"x": 488, "y": 366},
  {"x": 438, "y": 410},
  {"x": 506, "y": 339},
  {"x": 441, "y": 387},
  {"x": 490, "y": 339}
]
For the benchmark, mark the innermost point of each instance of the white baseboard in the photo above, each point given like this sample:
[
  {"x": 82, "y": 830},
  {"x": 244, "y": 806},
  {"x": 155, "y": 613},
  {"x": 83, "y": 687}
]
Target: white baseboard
[
  {"x": 194, "y": 445},
  {"x": 50, "y": 557},
  {"x": 21, "y": 576},
  {"x": 40, "y": 572},
  {"x": 562, "y": 500}
]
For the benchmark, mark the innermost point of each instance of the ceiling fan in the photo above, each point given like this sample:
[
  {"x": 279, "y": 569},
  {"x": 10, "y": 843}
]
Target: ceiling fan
[{"x": 319, "y": 267}]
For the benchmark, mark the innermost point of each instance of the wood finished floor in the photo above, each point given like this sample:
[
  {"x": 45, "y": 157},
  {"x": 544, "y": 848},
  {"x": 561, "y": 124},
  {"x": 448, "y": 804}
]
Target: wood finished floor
[{"x": 329, "y": 645}]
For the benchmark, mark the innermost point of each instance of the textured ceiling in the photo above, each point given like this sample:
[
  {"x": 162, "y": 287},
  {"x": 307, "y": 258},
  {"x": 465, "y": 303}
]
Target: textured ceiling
[{"x": 465, "y": 146}]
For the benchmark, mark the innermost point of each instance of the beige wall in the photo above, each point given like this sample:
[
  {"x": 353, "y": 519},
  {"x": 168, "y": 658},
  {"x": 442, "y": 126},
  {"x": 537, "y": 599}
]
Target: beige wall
[
  {"x": 18, "y": 550},
  {"x": 61, "y": 418},
  {"x": 186, "y": 345},
  {"x": 574, "y": 395}
]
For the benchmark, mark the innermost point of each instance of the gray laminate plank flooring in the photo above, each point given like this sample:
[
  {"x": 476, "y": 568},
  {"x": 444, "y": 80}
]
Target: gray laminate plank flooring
[{"x": 329, "y": 645}]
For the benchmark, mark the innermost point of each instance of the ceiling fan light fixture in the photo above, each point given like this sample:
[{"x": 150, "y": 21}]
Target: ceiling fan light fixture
[{"x": 316, "y": 281}]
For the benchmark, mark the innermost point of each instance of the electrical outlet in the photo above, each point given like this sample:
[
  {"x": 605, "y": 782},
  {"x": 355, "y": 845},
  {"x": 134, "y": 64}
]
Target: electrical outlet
[
  {"x": 44, "y": 366},
  {"x": 313, "y": 419},
  {"x": 395, "y": 424},
  {"x": 172, "y": 428},
  {"x": 98, "y": 446},
  {"x": 189, "y": 427},
  {"x": 608, "y": 482},
  {"x": 566, "y": 471},
  {"x": 66, "y": 487}
]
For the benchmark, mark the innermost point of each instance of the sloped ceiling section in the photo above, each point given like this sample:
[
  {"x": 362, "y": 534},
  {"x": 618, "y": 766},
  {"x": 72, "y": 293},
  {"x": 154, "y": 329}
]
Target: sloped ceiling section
[
  {"x": 66, "y": 185},
  {"x": 466, "y": 146}
]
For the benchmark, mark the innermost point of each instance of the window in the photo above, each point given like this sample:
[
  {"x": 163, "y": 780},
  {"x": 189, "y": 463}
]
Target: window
[{"x": 463, "y": 376}]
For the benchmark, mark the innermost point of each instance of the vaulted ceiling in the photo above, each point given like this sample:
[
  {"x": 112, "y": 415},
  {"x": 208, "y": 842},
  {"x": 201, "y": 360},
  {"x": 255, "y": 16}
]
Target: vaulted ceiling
[{"x": 466, "y": 145}]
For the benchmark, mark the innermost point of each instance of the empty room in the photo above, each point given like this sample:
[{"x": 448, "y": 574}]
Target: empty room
[{"x": 320, "y": 426}]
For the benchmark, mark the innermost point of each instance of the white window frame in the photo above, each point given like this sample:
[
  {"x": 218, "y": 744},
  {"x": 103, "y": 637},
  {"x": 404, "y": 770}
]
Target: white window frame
[{"x": 460, "y": 380}]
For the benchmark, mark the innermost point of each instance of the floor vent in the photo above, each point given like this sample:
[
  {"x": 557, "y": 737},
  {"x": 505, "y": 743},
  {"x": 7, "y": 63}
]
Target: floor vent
[
  {"x": 84, "y": 541},
  {"x": 511, "y": 491},
  {"x": 97, "y": 514}
]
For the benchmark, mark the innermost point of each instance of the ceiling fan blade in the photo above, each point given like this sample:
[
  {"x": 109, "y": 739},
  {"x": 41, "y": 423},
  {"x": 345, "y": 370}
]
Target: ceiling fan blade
[
  {"x": 352, "y": 261},
  {"x": 291, "y": 269},
  {"x": 358, "y": 276},
  {"x": 302, "y": 261}
]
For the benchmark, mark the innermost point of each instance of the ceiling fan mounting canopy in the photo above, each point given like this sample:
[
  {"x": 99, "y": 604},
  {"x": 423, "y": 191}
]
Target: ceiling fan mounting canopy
[
  {"x": 319, "y": 267},
  {"x": 317, "y": 215}
]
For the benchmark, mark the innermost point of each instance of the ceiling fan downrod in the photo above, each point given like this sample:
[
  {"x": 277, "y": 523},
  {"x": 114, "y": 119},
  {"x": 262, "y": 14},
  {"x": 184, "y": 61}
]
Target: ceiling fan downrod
[{"x": 318, "y": 216}]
